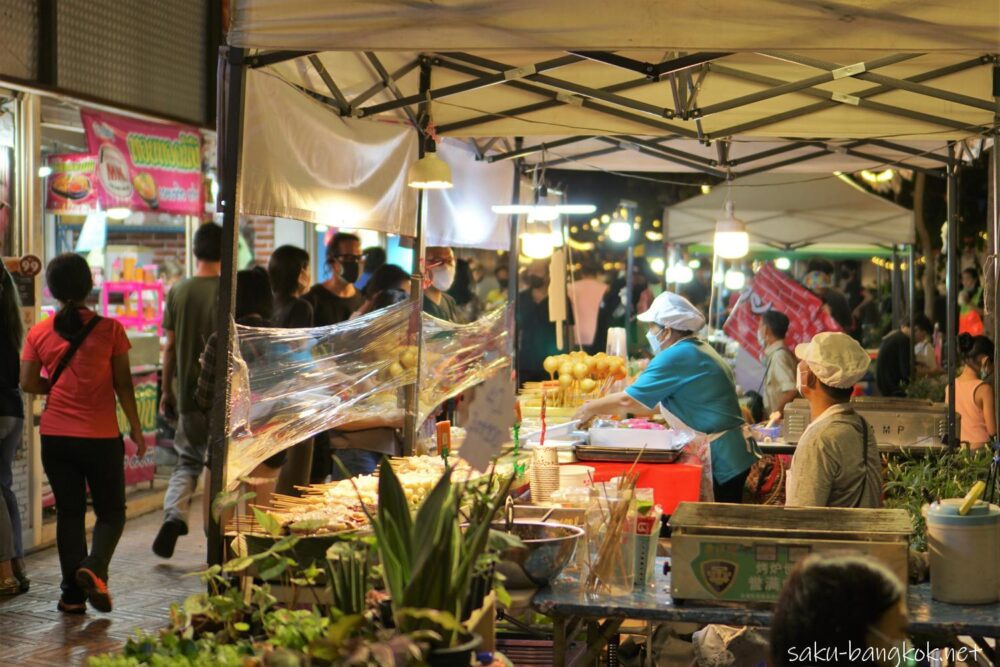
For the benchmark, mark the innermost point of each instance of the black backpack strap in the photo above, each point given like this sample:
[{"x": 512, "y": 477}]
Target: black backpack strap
[
  {"x": 74, "y": 345},
  {"x": 864, "y": 459}
]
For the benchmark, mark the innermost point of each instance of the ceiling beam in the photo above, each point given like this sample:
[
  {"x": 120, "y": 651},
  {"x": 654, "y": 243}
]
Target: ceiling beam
[{"x": 342, "y": 102}]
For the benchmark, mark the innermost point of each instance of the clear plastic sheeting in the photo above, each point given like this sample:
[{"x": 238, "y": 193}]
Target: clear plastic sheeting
[{"x": 291, "y": 384}]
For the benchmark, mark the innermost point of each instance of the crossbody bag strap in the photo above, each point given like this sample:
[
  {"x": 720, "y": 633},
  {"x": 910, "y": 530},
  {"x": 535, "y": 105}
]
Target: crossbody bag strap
[
  {"x": 864, "y": 460},
  {"x": 74, "y": 345}
]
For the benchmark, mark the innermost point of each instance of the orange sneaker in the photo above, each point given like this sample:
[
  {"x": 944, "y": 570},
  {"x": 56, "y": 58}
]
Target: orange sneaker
[{"x": 95, "y": 588}]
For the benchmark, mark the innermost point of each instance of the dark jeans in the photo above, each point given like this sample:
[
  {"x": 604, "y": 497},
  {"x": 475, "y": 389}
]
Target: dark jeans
[
  {"x": 72, "y": 465},
  {"x": 731, "y": 491},
  {"x": 357, "y": 462}
]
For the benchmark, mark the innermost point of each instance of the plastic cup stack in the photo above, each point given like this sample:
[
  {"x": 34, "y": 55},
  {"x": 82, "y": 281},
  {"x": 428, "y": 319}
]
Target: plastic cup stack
[{"x": 543, "y": 478}]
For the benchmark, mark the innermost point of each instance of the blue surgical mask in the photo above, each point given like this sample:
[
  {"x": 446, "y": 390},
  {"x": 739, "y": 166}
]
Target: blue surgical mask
[{"x": 654, "y": 342}]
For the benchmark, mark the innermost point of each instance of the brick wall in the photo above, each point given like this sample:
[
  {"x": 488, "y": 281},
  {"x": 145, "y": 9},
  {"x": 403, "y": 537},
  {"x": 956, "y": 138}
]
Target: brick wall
[
  {"x": 263, "y": 238},
  {"x": 164, "y": 246}
]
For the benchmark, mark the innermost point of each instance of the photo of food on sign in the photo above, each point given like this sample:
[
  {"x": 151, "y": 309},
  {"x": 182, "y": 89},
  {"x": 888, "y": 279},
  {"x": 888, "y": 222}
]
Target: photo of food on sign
[
  {"x": 71, "y": 186},
  {"x": 113, "y": 169},
  {"x": 145, "y": 187}
]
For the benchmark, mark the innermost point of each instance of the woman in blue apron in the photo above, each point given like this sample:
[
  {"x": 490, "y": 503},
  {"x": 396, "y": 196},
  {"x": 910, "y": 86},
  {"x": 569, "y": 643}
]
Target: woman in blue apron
[{"x": 693, "y": 387}]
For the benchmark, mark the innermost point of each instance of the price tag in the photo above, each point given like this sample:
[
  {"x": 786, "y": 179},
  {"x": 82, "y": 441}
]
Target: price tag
[{"x": 491, "y": 414}]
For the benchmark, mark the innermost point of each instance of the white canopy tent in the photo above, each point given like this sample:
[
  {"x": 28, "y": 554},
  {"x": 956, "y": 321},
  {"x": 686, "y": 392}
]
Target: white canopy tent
[
  {"x": 723, "y": 87},
  {"x": 790, "y": 211}
]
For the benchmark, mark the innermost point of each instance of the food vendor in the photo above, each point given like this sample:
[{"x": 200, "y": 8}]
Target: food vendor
[
  {"x": 836, "y": 461},
  {"x": 695, "y": 390}
]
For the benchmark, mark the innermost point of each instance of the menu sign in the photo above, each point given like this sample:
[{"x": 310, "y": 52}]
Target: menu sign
[
  {"x": 145, "y": 166},
  {"x": 73, "y": 188}
]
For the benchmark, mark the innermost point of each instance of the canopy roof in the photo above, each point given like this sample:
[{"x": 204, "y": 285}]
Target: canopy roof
[{"x": 793, "y": 211}]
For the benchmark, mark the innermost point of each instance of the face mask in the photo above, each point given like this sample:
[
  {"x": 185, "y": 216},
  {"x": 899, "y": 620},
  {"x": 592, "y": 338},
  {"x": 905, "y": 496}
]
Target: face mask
[
  {"x": 654, "y": 342},
  {"x": 760, "y": 339},
  {"x": 799, "y": 382},
  {"x": 349, "y": 271},
  {"x": 443, "y": 276},
  {"x": 536, "y": 282}
]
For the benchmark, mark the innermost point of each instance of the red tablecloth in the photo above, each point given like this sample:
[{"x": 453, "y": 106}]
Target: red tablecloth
[{"x": 672, "y": 483}]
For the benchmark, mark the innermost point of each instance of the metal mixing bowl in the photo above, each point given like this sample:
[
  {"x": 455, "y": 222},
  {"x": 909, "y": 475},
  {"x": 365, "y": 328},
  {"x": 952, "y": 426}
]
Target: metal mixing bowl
[{"x": 547, "y": 548}]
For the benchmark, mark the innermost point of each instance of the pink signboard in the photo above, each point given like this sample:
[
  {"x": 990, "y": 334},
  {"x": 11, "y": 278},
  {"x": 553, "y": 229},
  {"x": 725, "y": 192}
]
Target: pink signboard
[
  {"x": 73, "y": 187},
  {"x": 145, "y": 166}
]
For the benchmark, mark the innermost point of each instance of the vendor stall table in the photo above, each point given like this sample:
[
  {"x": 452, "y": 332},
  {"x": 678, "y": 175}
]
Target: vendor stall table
[
  {"x": 672, "y": 483},
  {"x": 603, "y": 617}
]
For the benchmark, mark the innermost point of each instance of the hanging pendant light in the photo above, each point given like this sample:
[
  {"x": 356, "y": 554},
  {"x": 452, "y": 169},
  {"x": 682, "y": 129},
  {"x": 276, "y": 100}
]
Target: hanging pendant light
[
  {"x": 429, "y": 172},
  {"x": 731, "y": 238}
]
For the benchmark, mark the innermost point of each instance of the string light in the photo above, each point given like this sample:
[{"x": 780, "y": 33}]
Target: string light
[{"x": 888, "y": 265}]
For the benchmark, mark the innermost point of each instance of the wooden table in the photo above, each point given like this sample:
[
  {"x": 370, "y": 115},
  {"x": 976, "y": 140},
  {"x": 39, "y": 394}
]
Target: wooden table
[{"x": 602, "y": 617}]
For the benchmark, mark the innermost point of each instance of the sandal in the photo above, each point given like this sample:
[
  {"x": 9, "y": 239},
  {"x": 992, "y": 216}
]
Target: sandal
[{"x": 10, "y": 586}]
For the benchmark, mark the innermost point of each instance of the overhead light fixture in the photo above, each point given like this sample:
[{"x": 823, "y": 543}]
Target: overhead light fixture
[
  {"x": 695, "y": 264},
  {"x": 880, "y": 177},
  {"x": 731, "y": 238},
  {"x": 429, "y": 172},
  {"x": 657, "y": 265},
  {"x": 543, "y": 212},
  {"x": 654, "y": 236},
  {"x": 782, "y": 263},
  {"x": 539, "y": 240},
  {"x": 680, "y": 274},
  {"x": 705, "y": 189},
  {"x": 44, "y": 171},
  {"x": 119, "y": 213},
  {"x": 620, "y": 231},
  {"x": 735, "y": 279}
]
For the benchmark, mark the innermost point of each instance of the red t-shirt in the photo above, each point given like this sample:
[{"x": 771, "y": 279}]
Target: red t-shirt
[{"x": 82, "y": 403}]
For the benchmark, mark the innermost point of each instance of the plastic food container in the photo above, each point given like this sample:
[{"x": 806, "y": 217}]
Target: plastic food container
[
  {"x": 636, "y": 438},
  {"x": 575, "y": 476},
  {"x": 964, "y": 552}
]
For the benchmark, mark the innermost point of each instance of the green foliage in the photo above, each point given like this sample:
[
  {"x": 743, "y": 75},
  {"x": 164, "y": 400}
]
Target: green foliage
[
  {"x": 928, "y": 387},
  {"x": 347, "y": 567},
  {"x": 913, "y": 481}
]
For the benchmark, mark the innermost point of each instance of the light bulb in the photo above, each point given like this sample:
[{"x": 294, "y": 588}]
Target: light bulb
[
  {"x": 735, "y": 279},
  {"x": 537, "y": 245},
  {"x": 657, "y": 265},
  {"x": 731, "y": 238},
  {"x": 782, "y": 263},
  {"x": 619, "y": 231},
  {"x": 679, "y": 273},
  {"x": 429, "y": 173}
]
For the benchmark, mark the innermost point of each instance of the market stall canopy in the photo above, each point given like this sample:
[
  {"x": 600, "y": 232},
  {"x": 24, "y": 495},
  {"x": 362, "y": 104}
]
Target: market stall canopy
[
  {"x": 793, "y": 211},
  {"x": 692, "y": 25}
]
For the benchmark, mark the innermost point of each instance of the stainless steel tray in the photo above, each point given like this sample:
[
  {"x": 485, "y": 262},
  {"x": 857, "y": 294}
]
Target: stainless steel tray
[{"x": 628, "y": 454}]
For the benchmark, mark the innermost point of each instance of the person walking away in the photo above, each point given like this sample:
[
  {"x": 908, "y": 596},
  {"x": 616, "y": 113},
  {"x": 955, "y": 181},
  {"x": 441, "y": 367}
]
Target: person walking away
[
  {"x": 288, "y": 270},
  {"x": 970, "y": 302},
  {"x": 586, "y": 295},
  {"x": 333, "y": 302},
  {"x": 694, "y": 389},
  {"x": 86, "y": 362},
  {"x": 536, "y": 334},
  {"x": 892, "y": 367},
  {"x": 973, "y": 394},
  {"x": 779, "y": 364},
  {"x": 253, "y": 308},
  {"x": 440, "y": 268},
  {"x": 836, "y": 461},
  {"x": 188, "y": 320},
  {"x": 850, "y": 607},
  {"x": 13, "y": 578}
]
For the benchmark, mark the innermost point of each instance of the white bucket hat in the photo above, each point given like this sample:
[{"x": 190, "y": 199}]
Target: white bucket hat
[
  {"x": 836, "y": 359},
  {"x": 672, "y": 311}
]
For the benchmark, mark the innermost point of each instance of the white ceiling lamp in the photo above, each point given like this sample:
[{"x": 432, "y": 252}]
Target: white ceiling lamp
[
  {"x": 680, "y": 274},
  {"x": 429, "y": 172},
  {"x": 735, "y": 279},
  {"x": 538, "y": 241},
  {"x": 782, "y": 263},
  {"x": 731, "y": 238}
]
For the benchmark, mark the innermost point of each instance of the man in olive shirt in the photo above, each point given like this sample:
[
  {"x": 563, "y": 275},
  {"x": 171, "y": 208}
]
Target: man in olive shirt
[
  {"x": 439, "y": 263},
  {"x": 188, "y": 320},
  {"x": 836, "y": 461}
]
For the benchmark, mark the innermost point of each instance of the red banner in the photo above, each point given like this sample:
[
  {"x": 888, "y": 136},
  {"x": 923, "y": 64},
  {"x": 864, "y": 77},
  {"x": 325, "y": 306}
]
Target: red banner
[{"x": 774, "y": 290}]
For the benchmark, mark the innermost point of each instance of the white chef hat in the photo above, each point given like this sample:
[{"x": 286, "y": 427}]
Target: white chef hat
[
  {"x": 836, "y": 359},
  {"x": 672, "y": 311}
]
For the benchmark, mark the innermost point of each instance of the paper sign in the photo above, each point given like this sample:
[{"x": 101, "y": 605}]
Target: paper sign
[
  {"x": 774, "y": 290},
  {"x": 491, "y": 414},
  {"x": 73, "y": 187},
  {"x": 145, "y": 166}
]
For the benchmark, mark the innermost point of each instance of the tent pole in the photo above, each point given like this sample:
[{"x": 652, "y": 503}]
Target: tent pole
[
  {"x": 512, "y": 263},
  {"x": 911, "y": 305},
  {"x": 951, "y": 282},
  {"x": 232, "y": 65},
  {"x": 416, "y": 330},
  {"x": 896, "y": 277},
  {"x": 629, "y": 281},
  {"x": 995, "y": 184}
]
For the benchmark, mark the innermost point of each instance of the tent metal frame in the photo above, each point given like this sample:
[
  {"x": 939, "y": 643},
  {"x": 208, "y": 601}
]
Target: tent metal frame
[{"x": 676, "y": 72}]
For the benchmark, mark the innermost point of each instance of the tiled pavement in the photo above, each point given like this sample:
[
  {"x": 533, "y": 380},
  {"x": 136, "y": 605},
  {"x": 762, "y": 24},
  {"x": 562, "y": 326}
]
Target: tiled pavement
[{"x": 34, "y": 634}]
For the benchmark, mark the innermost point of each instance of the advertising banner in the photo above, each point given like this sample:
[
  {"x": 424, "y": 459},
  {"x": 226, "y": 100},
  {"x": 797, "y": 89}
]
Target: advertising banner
[
  {"x": 72, "y": 186},
  {"x": 774, "y": 290},
  {"x": 141, "y": 470},
  {"x": 146, "y": 166}
]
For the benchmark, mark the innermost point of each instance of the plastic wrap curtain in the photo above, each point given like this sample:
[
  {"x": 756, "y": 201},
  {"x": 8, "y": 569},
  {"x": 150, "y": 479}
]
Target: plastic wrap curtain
[{"x": 291, "y": 384}]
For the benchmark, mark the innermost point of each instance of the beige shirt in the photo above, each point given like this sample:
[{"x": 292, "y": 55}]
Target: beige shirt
[
  {"x": 779, "y": 375},
  {"x": 829, "y": 468}
]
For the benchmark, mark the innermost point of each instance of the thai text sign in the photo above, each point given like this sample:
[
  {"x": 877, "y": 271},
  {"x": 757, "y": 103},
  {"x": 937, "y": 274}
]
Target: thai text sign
[{"x": 145, "y": 166}]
